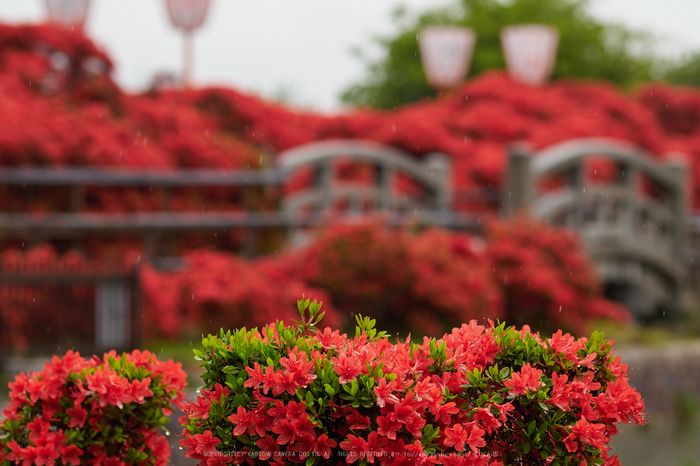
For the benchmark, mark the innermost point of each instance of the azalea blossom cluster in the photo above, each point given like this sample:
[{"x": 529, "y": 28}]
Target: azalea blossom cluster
[
  {"x": 99, "y": 411},
  {"x": 486, "y": 395},
  {"x": 546, "y": 279},
  {"x": 425, "y": 283}
]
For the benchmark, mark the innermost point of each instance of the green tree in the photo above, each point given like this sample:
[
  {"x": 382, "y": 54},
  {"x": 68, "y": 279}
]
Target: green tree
[
  {"x": 685, "y": 71},
  {"x": 589, "y": 48}
]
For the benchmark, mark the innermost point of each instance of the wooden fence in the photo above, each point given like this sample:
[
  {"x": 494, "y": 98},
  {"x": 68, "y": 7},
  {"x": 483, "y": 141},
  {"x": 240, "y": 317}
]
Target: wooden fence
[{"x": 89, "y": 306}]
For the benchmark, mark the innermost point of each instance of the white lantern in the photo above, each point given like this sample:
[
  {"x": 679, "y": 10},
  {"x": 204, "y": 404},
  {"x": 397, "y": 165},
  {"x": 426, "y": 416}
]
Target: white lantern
[
  {"x": 446, "y": 54},
  {"x": 530, "y": 52},
  {"x": 187, "y": 15},
  {"x": 68, "y": 13}
]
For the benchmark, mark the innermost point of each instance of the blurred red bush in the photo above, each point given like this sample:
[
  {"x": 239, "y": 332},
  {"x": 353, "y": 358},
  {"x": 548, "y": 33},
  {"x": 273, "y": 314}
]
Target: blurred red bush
[{"x": 422, "y": 283}]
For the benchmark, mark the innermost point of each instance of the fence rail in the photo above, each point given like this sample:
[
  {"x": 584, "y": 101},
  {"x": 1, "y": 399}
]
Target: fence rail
[
  {"x": 37, "y": 227},
  {"x": 91, "y": 306},
  {"x": 71, "y": 176}
]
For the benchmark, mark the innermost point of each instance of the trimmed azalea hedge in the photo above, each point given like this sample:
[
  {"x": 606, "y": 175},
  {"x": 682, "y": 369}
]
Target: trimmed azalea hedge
[
  {"x": 482, "y": 395},
  {"x": 524, "y": 272},
  {"x": 106, "y": 411}
]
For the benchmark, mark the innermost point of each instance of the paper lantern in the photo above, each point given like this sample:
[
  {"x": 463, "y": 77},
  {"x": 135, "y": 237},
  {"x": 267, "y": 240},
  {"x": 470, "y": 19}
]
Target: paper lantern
[
  {"x": 187, "y": 15},
  {"x": 446, "y": 54},
  {"x": 68, "y": 13},
  {"x": 530, "y": 51}
]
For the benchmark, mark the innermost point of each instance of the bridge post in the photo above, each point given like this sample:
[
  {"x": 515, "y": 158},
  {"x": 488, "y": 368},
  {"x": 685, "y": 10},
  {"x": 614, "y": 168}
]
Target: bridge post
[
  {"x": 519, "y": 184},
  {"x": 677, "y": 168},
  {"x": 439, "y": 166},
  {"x": 324, "y": 181},
  {"x": 385, "y": 177}
]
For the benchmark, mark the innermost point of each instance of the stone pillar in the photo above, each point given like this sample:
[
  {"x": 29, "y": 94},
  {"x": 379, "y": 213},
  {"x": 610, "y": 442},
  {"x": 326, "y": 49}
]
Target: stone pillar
[
  {"x": 518, "y": 191},
  {"x": 679, "y": 203},
  {"x": 439, "y": 167}
]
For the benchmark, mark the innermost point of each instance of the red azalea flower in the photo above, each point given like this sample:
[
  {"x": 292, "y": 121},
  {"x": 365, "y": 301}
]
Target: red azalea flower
[
  {"x": 527, "y": 379},
  {"x": 218, "y": 460},
  {"x": 356, "y": 448},
  {"x": 206, "y": 443},
  {"x": 112, "y": 461},
  {"x": 323, "y": 446},
  {"x": 242, "y": 421},
  {"x": 347, "y": 367},
  {"x": 375, "y": 446},
  {"x": 384, "y": 390},
  {"x": 140, "y": 390},
  {"x": 286, "y": 432},
  {"x": 77, "y": 416},
  {"x": 46, "y": 455},
  {"x": 388, "y": 427},
  {"x": 199, "y": 409},
  {"x": 268, "y": 447},
  {"x": 38, "y": 428},
  {"x": 71, "y": 455}
]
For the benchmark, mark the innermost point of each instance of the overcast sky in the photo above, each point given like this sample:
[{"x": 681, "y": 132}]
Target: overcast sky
[{"x": 298, "y": 47}]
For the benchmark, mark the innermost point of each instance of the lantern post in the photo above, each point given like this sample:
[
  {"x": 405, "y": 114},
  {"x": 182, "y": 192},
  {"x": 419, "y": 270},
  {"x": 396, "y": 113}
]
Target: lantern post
[
  {"x": 446, "y": 53},
  {"x": 188, "y": 16},
  {"x": 68, "y": 13},
  {"x": 530, "y": 51}
]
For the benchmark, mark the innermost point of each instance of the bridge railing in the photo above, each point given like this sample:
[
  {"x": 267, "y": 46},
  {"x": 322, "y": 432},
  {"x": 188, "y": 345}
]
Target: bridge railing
[
  {"x": 633, "y": 221},
  {"x": 311, "y": 206}
]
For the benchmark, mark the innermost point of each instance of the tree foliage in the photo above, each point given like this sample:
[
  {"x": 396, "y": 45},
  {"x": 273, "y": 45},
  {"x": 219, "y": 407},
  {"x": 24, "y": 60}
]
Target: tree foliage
[
  {"x": 685, "y": 71},
  {"x": 588, "y": 49}
]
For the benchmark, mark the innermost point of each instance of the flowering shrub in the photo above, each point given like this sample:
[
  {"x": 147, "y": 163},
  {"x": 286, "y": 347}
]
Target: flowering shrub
[
  {"x": 480, "y": 395},
  {"x": 98, "y": 411},
  {"x": 217, "y": 290},
  {"x": 424, "y": 283}
]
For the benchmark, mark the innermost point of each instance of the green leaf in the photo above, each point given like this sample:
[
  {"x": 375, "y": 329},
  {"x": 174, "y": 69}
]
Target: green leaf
[
  {"x": 309, "y": 399},
  {"x": 531, "y": 427}
]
